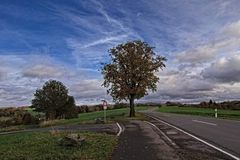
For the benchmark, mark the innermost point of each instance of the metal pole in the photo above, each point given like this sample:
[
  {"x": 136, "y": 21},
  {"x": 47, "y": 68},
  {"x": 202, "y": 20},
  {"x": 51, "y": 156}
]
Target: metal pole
[
  {"x": 104, "y": 108},
  {"x": 216, "y": 113},
  {"x": 104, "y": 115}
]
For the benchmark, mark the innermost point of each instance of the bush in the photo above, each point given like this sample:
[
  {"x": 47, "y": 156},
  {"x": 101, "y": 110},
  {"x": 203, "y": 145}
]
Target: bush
[
  {"x": 16, "y": 116},
  {"x": 82, "y": 109},
  {"x": 53, "y": 100},
  {"x": 173, "y": 104},
  {"x": 120, "y": 105}
]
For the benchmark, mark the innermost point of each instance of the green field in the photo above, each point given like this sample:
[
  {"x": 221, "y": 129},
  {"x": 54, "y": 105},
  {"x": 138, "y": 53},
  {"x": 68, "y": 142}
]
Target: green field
[
  {"x": 91, "y": 116},
  {"x": 114, "y": 114},
  {"x": 222, "y": 113},
  {"x": 43, "y": 145}
]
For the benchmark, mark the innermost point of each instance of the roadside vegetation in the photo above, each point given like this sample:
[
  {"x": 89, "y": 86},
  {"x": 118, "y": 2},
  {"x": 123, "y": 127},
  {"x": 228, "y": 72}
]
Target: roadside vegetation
[
  {"x": 210, "y": 112},
  {"x": 86, "y": 117},
  {"x": 44, "y": 145},
  {"x": 91, "y": 117}
]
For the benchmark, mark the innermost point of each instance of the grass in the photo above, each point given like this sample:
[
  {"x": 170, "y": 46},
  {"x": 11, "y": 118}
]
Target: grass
[
  {"x": 43, "y": 145},
  {"x": 222, "y": 113},
  {"x": 32, "y": 112},
  {"x": 13, "y": 128},
  {"x": 115, "y": 114},
  {"x": 91, "y": 116}
]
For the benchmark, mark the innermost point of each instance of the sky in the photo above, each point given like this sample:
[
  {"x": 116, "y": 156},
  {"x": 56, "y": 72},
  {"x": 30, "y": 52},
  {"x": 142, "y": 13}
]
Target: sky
[{"x": 68, "y": 40}]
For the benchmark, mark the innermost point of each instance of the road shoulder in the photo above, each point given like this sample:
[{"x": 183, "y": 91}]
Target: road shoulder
[{"x": 139, "y": 141}]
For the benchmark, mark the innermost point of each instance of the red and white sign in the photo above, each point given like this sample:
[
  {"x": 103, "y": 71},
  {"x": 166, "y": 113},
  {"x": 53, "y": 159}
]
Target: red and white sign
[{"x": 104, "y": 104}]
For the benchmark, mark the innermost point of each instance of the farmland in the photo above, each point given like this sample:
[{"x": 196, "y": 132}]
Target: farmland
[{"x": 209, "y": 112}]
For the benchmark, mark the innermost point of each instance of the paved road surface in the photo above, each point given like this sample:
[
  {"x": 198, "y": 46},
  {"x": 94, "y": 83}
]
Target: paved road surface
[
  {"x": 140, "y": 142},
  {"x": 152, "y": 140},
  {"x": 223, "y": 133}
]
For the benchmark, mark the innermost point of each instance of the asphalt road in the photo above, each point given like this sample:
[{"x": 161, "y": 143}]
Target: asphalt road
[
  {"x": 220, "y": 132},
  {"x": 140, "y": 142}
]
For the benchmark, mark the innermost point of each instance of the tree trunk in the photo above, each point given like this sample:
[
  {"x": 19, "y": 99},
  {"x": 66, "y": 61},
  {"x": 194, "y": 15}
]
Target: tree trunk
[{"x": 132, "y": 110}]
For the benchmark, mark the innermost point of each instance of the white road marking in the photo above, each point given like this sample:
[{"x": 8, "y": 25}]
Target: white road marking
[
  {"x": 120, "y": 129},
  {"x": 174, "y": 144},
  {"x": 213, "y": 124},
  {"x": 211, "y": 145}
]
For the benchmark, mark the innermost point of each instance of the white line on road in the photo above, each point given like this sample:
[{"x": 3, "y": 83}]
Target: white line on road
[
  {"x": 211, "y": 145},
  {"x": 174, "y": 144},
  {"x": 120, "y": 129},
  {"x": 213, "y": 124}
]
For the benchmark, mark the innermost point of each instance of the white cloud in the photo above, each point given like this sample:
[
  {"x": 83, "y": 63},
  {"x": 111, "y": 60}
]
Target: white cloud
[
  {"x": 90, "y": 88},
  {"x": 224, "y": 70},
  {"x": 43, "y": 71},
  {"x": 226, "y": 41},
  {"x": 106, "y": 40},
  {"x": 233, "y": 29}
]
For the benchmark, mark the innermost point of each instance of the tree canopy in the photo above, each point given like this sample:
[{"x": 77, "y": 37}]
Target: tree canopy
[
  {"x": 132, "y": 71},
  {"x": 53, "y": 100}
]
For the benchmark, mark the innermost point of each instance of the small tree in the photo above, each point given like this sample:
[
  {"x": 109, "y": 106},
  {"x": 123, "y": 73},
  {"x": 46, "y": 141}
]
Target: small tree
[
  {"x": 131, "y": 72},
  {"x": 52, "y": 99}
]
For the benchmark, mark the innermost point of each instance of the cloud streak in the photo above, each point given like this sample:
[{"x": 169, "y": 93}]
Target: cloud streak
[{"x": 68, "y": 41}]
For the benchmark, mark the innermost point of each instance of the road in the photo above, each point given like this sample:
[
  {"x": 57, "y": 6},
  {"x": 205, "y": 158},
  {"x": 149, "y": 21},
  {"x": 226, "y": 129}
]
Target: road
[
  {"x": 140, "y": 142},
  {"x": 152, "y": 140},
  {"x": 222, "y": 133}
]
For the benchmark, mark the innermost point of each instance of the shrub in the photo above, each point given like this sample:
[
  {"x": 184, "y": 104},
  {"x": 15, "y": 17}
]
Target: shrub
[{"x": 120, "y": 105}]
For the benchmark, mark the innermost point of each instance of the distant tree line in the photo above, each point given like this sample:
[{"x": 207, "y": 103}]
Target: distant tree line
[{"x": 233, "y": 105}]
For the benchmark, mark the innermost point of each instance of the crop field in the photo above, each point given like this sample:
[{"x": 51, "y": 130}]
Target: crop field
[{"x": 222, "y": 113}]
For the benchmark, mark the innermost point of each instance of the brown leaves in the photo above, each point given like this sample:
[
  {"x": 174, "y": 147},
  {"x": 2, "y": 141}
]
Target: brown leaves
[{"x": 132, "y": 70}]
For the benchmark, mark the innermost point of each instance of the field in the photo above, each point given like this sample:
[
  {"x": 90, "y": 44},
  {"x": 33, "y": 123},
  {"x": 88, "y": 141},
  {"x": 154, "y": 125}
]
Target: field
[
  {"x": 91, "y": 116},
  {"x": 82, "y": 118},
  {"x": 44, "y": 145},
  {"x": 222, "y": 113},
  {"x": 41, "y": 146}
]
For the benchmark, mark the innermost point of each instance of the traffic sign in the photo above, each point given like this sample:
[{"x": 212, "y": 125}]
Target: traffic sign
[{"x": 104, "y": 104}]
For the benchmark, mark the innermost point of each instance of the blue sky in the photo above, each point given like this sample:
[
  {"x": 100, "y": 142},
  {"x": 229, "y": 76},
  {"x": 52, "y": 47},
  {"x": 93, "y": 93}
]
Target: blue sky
[{"x": 68, "y": 40}]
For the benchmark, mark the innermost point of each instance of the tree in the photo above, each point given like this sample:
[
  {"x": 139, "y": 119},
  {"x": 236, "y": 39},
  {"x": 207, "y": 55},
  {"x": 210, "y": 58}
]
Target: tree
[
  {"x": 53, "y": 100},
  {"x": 70, "y": 110},
  {"x": 131, "y": 72}
]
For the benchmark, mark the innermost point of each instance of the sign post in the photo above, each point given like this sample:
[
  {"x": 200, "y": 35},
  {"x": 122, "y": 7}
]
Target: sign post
[
  {"x": 105, "y": 108},
  {"x": 216, "y": 113}
]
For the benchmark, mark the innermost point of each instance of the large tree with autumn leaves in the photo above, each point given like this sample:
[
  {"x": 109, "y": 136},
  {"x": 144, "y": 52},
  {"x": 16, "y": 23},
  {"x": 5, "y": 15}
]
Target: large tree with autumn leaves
[{"x": 131, "y": 74}]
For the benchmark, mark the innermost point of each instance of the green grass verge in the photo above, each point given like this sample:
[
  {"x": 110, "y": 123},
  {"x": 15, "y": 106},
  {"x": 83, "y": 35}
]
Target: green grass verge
[
  {"x": 115, "y": 114},
  {"x": 43, "y": 145},
  {"x": 91, "y": 116},
  {"x": 222, "y": 113},
  {"x": 16, "y": 128}
]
